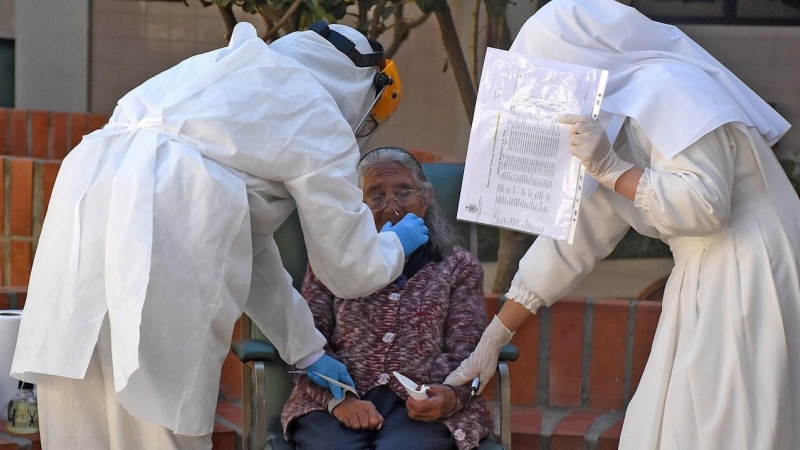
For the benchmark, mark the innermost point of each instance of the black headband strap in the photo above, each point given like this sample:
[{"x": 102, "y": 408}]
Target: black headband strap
[{"x": 348, "y": 47}]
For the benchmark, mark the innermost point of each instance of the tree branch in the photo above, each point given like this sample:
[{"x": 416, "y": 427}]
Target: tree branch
[
  {"x": 229, "y": 18},
  {"x": 361, "y": 24},
  {"x": 286, "y": 16},
  {"x": 476, "y": 16},
  {"x": 376, "y": 19},
  {"x": 400, "y": 31},
  {"x": 456, "y": 57},
  {"x": 266, "y": 17}
]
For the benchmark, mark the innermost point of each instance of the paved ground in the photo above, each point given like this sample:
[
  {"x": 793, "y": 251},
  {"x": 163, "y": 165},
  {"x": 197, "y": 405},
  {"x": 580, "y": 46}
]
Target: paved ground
[{"x": 611, "y": 278}]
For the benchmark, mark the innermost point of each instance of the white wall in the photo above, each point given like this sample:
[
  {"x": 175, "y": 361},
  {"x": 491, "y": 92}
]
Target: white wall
[
  {"x": 7, "y": 19},
  {"x": 52, "y": 54},
  {"x": 431, "y": 116},
  {"x": 135, "y": 40},
  {"x": 765, "y": 58},
  {"x": 132, "y": 41}
]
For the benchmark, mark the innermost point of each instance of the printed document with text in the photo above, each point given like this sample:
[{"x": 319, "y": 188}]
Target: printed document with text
[{"x": 519, "y": 173}]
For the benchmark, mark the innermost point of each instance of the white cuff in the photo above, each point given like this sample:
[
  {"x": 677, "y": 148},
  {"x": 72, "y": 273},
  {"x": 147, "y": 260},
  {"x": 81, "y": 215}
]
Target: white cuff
[
  {"x": 528, "y": 299},
  {"x": 334, "y": 402},
  {"x": 310, "y": 359},
  {"x": 644, "y": 192}
]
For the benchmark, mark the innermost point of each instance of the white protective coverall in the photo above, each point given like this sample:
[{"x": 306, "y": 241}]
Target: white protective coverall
[
  {"x": 724, "y": 370},
  {"x": 163, "y": 222}
]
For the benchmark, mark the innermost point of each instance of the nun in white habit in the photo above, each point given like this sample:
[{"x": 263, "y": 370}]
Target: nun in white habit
[
  {"x": 691, "y": 165},
  {"x": 159, "y": 234}
]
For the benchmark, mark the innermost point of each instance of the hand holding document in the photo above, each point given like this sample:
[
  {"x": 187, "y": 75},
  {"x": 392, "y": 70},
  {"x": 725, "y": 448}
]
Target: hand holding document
[
  {"x": 519, "y": 172},
  {"x": 414, "y": 390}
]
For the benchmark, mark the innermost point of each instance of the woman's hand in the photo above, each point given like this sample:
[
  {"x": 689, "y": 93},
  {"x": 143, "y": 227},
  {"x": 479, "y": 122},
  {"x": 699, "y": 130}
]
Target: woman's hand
[
  {"x": 358, "y": 414},
  {"x": 441, "y": 402},
  {"x": 483, "y": 361}
]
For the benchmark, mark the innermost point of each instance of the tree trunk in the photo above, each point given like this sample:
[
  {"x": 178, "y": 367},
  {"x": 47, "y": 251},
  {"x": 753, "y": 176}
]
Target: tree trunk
[
  {"x": 512, "y": 248},
  {"x": 229, "y": 18},
  {"x": 513, "y": 244},
  {"x": 452, "y": 47}
]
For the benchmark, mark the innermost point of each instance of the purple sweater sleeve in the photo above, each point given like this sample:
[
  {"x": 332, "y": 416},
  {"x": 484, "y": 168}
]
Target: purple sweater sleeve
[{"x": 465, "y": 322}]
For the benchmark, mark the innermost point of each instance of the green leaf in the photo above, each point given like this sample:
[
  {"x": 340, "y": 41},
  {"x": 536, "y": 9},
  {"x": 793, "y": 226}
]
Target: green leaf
[
  {"x": 426, "y": 6},
  {"x": 311, "y": 4},
  {"x": 338, "y": 10},
  {"x": 249, "y": 6},
  {"x": 305, "y": 21}
]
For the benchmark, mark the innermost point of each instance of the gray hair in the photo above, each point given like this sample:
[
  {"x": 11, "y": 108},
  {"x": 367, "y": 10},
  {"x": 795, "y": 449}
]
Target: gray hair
[{"x": 442, "y": 236}]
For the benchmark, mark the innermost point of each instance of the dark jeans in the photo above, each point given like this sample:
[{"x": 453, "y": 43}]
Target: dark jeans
[{"x": 320, "y": 430}]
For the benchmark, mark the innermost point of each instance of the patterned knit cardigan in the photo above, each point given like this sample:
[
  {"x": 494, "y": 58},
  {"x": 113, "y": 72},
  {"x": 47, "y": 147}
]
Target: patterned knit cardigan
[{"x": 423, "y": 329}]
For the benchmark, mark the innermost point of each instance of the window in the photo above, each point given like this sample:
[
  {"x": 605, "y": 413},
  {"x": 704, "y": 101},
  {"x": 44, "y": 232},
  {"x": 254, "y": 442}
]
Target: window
[{"x": 6, "y": 73}]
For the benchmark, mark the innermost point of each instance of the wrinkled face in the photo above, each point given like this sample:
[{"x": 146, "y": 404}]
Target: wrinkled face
[{"x": 391, "y": 180}]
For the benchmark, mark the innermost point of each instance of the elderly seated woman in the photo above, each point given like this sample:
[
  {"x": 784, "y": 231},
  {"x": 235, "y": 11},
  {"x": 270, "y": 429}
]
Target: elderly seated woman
[{"x": 422, "y": 325}]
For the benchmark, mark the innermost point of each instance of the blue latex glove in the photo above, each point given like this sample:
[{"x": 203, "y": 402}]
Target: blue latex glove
[
  {"x": 411, "y": 230},
  {"x": 331, "y": 368}
]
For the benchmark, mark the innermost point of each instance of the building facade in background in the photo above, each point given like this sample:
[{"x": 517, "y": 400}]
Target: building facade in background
[{"x": 83, "y": 55}]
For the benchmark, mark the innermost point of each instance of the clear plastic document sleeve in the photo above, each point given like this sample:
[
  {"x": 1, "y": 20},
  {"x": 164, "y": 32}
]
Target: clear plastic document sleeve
[{"x": 519, "y": 172}]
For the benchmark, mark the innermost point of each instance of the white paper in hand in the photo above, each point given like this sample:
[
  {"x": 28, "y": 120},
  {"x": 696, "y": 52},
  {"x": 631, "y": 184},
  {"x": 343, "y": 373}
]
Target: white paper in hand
[
  {"x": 414, "y": 390},
  {"x": 520, "y": 173}
]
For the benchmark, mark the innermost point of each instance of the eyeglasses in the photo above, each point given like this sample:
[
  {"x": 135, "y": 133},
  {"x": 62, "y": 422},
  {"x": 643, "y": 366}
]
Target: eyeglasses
[{"x": 403, "y": 198}]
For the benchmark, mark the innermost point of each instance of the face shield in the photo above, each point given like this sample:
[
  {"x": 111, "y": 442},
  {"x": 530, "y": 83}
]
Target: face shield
[
  {"x": 389, "y": 89},
  {"x": 387, "y": 84}
]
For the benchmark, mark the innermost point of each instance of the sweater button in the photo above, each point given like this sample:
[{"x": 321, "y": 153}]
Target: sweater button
[
  {"x": 394, "y": 296},
  {"x": 383, "y": 379},
  {"x": 388, "y": 338}
]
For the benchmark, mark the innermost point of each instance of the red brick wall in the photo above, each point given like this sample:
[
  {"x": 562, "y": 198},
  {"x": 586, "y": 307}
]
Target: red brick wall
[
  {"x": 32, "y": 145},
  {"x": 582, "y": 353},
  {"x": 423, "y": 156},
  {"x": 44, "y": 134}
]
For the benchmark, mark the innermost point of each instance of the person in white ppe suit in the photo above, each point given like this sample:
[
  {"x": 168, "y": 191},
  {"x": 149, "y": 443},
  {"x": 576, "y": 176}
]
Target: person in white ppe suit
[
  {"x": 159, "y": 234},
  {"x": 681, "y": 153}
]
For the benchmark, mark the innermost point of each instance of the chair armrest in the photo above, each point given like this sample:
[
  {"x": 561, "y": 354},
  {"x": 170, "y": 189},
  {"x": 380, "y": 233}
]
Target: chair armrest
[
  {"x": 254, "y": 350},
  {"x": 509, "y": 352}
]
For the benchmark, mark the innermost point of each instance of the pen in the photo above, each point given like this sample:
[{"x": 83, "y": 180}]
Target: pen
[{"x": 476, "y": 383}]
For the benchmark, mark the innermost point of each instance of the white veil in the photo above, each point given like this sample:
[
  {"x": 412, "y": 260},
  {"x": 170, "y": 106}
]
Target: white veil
[{"x": 675, "y": 89}]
